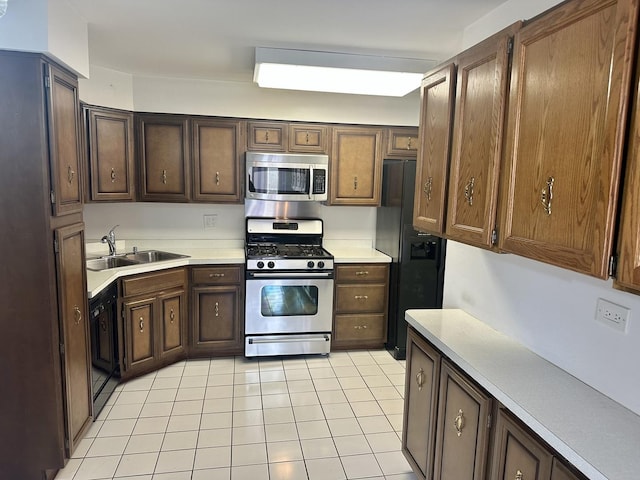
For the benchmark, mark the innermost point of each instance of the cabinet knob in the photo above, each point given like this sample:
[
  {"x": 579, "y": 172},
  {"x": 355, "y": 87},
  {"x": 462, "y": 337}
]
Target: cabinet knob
[
  {"x": 141, "y": 324},
  {"x": 172, "y": 315},
  {"x": 77, "y": 314},
  {"x": 458, "y": 423},
  {"x": 113, "y": 175},
  {"x": 519, "y": 475},
  {"x": 468, "y": 191},
  {"x": 420, "y": 379},
  {"x": 217, "y": 309},
  {"x": 164, "y": 177},
  {"x": 547, "y": 195},
  {"x": 70, "y": 173}
]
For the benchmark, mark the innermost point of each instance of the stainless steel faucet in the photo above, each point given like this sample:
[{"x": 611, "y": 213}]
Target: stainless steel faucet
[{"x": 110, "y": 239}]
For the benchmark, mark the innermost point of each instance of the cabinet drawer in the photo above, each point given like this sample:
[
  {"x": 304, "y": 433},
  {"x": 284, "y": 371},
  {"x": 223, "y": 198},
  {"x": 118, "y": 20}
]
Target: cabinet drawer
[
  {"x": 361, "y": 273},
  {"x": 360, "y": 327},
  {"x": 217, "y": 275},
  {"x": 268, "y": 136},
  {"x": 308, "y": 138},
  {"x": 361, "y": 298},
  {"x": 153, "y": 282}
]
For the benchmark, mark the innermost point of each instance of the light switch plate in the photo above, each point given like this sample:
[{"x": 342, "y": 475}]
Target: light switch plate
[{"x": 614, "y": 315}]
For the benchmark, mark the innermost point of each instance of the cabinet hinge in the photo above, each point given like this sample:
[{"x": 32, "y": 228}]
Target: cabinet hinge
[
  {"x": 494, "y": 236},
  {"x": 510, "y": 46},
  {"x": 613, "y": 266},
  {"x": 52, "y": 195},
  {"x": 66, "y": 443},
  {"x": 47, "y": 81},
  {"x": 62, "y": 349},
  {"x": 489, "y": 421},
  {"x": 56, "y": 247}
]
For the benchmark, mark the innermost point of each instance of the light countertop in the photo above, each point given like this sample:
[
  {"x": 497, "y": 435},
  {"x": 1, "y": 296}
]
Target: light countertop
[{"x": 596, "y": 434}]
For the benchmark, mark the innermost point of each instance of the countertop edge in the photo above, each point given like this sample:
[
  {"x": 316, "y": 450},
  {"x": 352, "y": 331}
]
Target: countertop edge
[{"x": 431, "y": 325}]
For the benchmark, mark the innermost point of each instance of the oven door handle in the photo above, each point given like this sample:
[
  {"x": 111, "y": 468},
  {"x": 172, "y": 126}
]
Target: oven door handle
[
  {"x": 285, "y": 275},
  {"x": 323, "y": 338}
]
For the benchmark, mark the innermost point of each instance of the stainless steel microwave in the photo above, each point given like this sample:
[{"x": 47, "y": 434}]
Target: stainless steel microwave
[{"x": 286, "y": 177}]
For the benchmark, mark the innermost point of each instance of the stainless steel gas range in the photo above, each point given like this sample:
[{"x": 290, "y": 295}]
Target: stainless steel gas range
[{"x": 289, "y": 288}]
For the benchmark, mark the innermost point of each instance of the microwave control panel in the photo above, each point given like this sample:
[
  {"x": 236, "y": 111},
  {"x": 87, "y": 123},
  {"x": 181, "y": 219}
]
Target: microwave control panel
[{"x": 319, "y": 182}]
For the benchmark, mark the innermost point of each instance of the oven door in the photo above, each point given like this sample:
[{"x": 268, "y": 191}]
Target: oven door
[{"x": 276, "y": 304}]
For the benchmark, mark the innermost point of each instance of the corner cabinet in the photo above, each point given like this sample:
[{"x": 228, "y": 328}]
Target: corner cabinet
[
  {"x": 111, "y": 154},
  {"x": 217, "y": 309},
  {"x": 218, "y": 153},
  {"x": 356, "y": 166},
  {"x": 567, "y": 118},
  {"x": 163, "y": 157},
  {"x": 153, "y": 307},
  {"x": 437, "y": 95},
  {"x": 481, "y": 96}
]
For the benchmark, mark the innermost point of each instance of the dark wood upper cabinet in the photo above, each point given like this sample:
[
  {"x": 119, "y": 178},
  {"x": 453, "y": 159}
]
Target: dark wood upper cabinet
[
  {"x": 481, "y": 98},
  {"x": 111, "y": 154},
  {"x": 163, "y": 155},
  {"x": 267, "y": 136},
  {"x": 567, "y": 115},
  {"x": 218, "y": 156},
  {"x": 63, "y": 121},
  {"x": 437, "y": 95}
]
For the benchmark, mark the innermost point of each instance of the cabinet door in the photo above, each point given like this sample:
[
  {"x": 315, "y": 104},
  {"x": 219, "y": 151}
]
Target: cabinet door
[
  {"x": 63, "y": 117},
  {"x": 218, "y": 149},
  {"x": 356, "y": 166},
  {"x": 481, "y": 91},
  {"x": 306, "y": 138},
  {"x": 437, "y": 95},
  {"x": 172, "y": 334},
  {"x": 462, "y": 439},
  {"x": 560, "y": 471},
  {"x": 111, "y": 167},
  {"x": 516, "y": 454},
  {"x": 359, "y": 331},
  {"x": 217, "y": 319},
  {"x": 402, "y": 143},
  {"x": 567, "y": 116},
  {"x": 420, "y": 404},
  {"x": 267, "y": 136},
  {"x": 163, "y": 152},
  {"x": 139, "y": 344},
  {"x": 102, "y": 351},
  {"x": 74, "y": 332}
]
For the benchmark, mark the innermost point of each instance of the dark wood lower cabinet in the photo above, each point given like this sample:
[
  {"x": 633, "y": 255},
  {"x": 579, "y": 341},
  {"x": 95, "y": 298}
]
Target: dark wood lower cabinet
[
  {"x": 140, "y": 351},
  {"x": 217, "y": 310}
]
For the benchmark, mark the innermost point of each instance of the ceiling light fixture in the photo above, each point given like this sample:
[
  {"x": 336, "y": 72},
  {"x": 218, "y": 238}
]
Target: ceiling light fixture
[
  {"x": 338, "y": 72},
  {"x": 3, "y": 7}
]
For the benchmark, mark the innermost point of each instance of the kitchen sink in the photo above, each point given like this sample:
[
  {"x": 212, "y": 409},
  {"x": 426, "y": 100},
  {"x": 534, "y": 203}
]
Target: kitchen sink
[
  {"x": 105, "y": 263},
  {"x": 133, "y": 258}
]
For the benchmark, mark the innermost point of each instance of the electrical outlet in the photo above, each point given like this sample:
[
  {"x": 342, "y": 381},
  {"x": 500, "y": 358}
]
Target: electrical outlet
[
  {"x": 210, "y": 221},
  {"x": 616, "y": 316}
]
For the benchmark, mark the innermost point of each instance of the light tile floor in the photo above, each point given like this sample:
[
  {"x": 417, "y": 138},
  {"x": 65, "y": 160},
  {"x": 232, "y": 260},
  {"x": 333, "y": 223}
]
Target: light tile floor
[{"x": 282, "y": 418}]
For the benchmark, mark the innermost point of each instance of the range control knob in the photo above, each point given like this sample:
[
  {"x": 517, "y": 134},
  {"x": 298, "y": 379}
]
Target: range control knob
[
  {"x": 320, "y": 264},
  {"x": 310, "y": 264},
  {"x": 271, "y": 264},
  {"x": 260, "y": 264}
]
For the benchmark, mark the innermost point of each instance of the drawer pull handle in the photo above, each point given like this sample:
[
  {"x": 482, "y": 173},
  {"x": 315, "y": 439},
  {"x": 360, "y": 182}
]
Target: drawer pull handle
[
  {"x": 519, "y": 475},
  {"x": 468, "y": 191},
  {"x": 172, "y": 315},
  {"x": 409, "y": 143},
  {"x": 360, "y": 327},
  {"x": 458, "y": 423},
  {"x": 428, "y": 187},
  {"x": 141, "y": 324},
  {"x": 266, "y": 136},
  {"x": 217, "y": 309},
  {"x": 420, "y": 379},
  {"x": 547, "y": 195},
  {"x": 216, "y": 275},
  {"x": 77, "y": 314},
  {"x": 307, "y": 140},
  {"x": 103, "y": 325},
  {"x": 364, "y": 272},
  {"x": 164, "y": 177},
  {"x": 355, "y": 183},
  {"x": 361, "y": 297},
  {"x": 113, "y": 175},
  {"x": 70, "y": 174},
  {"x": 217, "y": 178}
]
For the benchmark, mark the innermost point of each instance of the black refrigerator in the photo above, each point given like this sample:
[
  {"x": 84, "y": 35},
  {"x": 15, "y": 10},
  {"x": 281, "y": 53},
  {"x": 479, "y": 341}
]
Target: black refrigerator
[{"x": 417, "y": 265}]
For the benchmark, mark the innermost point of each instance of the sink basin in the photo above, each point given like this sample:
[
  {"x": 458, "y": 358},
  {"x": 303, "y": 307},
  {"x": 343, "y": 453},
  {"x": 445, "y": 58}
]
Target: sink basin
[
  {"x": 149, "y": 256},
  {"x": 137, "y": 258},
  {"x": 105, "y": 263}
]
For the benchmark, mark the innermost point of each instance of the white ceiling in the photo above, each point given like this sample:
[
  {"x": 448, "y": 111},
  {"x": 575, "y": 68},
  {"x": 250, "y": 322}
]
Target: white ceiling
[{"x": 215, "y": 39}]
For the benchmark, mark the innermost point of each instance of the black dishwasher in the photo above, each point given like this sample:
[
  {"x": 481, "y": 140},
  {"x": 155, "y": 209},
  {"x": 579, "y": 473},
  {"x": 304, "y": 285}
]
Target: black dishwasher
[{"x": 105, "y": 369}]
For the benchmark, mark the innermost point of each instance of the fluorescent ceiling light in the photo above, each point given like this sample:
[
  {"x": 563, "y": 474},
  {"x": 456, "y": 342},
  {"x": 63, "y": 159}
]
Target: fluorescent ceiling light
[{"x": 338, "y": 72}]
